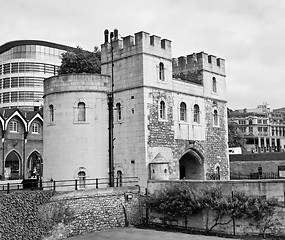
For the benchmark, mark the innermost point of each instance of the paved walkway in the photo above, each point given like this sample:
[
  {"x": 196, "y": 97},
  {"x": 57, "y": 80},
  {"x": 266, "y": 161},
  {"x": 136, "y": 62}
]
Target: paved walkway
[{"x": 141, "y": 234}]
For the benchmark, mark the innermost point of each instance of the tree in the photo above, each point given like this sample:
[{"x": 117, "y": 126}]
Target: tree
[
  {"x": 80, "y": 61},
  {"x": 235, "y": 137},
  {"x": 261, "y": 211},
  {"x": 174, "y": 202}
]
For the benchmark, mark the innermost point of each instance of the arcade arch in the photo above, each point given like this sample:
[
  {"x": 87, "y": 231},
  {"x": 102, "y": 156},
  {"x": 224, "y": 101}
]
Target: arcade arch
[
  {"x": 191, "y": 165},
  {"x": 34, "y": 165},
  {"x": 13, "y": 166}
]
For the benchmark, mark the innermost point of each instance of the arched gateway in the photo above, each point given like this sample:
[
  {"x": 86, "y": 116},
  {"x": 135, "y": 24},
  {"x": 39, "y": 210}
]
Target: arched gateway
[{"x": 191, "y": 165}]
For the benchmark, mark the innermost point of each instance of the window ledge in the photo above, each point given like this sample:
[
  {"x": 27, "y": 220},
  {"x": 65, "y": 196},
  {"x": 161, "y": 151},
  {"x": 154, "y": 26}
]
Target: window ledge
[
  {"x": 81, "y": 122},
  {"x": 183, "y": 122},
  {"x": 119, "y": 122},
  {"x": 51, "y": 124},
  {"x": 162, "y": 120},
  {"x": 161, "y": 81}
]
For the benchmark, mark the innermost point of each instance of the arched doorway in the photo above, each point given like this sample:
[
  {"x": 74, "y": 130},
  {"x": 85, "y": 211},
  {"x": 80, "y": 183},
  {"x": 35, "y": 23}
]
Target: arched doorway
[
  {"x": 119, "y": 178},
  {"x": 191, "y": 165},
  {"x": 34, "y": 165},
  {"x": 13, "y": 166}
]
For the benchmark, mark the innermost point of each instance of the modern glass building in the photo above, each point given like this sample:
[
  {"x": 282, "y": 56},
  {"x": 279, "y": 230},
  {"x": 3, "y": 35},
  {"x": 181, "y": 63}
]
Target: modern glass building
[{"x": 24, "y": 65}]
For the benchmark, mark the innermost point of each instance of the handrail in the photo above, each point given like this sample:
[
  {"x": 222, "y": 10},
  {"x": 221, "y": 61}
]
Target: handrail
[{"x": 67, "y": 184}]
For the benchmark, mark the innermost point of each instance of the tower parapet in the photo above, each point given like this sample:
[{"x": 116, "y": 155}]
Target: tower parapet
[
  {"x": 198, "y": 62},
  {"x": 141, "y": 42}
]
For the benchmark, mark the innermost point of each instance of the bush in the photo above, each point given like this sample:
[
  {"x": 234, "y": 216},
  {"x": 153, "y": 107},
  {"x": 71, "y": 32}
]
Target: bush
[
  {"x": 175, "y": 201},
  {"x": 179, "y": 200}
]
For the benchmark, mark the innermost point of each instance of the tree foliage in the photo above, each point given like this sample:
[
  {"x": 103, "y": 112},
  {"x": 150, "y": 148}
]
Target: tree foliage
[
  {"x": 235, "y": 136},
  {"x": 182, "y": 201},
  {"x": 175, "y": 201},
  {"x": 80, "y": 61},
  {"x": 261, "y": 211}
]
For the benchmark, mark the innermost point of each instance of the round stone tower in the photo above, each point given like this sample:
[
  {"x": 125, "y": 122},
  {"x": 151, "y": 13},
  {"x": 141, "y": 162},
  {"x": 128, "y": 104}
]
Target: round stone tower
[{"x": 76, "y": 127}]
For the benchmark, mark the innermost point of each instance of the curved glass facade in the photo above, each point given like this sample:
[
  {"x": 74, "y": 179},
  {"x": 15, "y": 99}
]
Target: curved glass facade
[{"x": 23, "y": 68}]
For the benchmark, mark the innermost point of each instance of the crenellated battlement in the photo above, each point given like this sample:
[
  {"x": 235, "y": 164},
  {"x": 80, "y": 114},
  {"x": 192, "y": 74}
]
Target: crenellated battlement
[
  {"x": 127, "y": 46},
  {"x": 198, "y": 61}
]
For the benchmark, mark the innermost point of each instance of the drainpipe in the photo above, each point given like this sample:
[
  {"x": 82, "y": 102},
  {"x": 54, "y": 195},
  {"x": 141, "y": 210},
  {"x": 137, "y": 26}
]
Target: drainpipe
[{"x": 111, "y": 113}]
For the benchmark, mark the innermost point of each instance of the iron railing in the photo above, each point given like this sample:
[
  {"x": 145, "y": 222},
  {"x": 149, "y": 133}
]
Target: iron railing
[
  {"x": 255, "y": 175},
  {"x": 66, "y": 185}
]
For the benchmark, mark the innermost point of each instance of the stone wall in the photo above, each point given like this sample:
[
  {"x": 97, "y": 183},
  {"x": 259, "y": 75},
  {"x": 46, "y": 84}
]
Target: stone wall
[
  {"x": 173, "y": 138},
  {"x": 241, "y": 226},
  {"x": 216, "y": 150},
  {"x": 245, "y": 164},
  {"x": 262, "y": 187},
  {"x": 268, "y": 188},
  {"x": 99, "y": 209}
]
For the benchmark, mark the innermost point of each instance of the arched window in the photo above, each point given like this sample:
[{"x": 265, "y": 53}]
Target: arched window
[
  {"x": 51, "y": 113},
  {"x": 81, "y": 112},
  {"x": 196, "y": 117},
  {"x": 218, "y": 173},
  {"x": 119, "y": 178},
  {"x": 161, "y": 71},
  {"x": 214, "y": 82},
  {"x": 216, "y": 119},
  {"x": 119, "y": 111},
  {"x": 162, "y": 110},
  {"x": 82, "y": 179},
  {"x": 183, "y": 116}
]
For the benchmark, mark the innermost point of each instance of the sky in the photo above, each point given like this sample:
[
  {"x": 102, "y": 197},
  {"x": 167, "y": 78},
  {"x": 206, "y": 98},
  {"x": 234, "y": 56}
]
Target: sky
[{"x": 248, "y": 34}]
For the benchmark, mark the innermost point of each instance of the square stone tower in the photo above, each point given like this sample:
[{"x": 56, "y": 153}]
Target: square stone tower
[{"x": 166, "y": 110}]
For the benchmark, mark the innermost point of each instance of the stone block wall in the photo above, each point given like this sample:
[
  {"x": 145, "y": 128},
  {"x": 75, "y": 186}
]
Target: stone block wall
[
  {"x": 164, "y": 135},
  {"x": 100, "y": 209}
]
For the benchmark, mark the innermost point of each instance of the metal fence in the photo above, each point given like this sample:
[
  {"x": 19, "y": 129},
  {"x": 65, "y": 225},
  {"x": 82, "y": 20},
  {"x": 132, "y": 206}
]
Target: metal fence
[
  {"x": 67, "y": 185},
  {"x": 255, "y": 175}
]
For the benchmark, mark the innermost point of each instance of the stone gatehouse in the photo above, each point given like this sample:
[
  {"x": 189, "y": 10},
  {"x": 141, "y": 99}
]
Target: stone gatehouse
[{"x": 170, "y": 118}]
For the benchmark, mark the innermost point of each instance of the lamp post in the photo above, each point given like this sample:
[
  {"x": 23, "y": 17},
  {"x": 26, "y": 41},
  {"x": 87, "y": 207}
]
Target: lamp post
[{"x": 111, "y": 106}]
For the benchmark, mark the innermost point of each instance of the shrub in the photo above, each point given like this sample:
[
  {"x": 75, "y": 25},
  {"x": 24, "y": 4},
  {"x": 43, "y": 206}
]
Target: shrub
[
  {"x": 261, "y": 210},
  {"x": 175, "y": 201},
  {"x": 179, "y": 200}
]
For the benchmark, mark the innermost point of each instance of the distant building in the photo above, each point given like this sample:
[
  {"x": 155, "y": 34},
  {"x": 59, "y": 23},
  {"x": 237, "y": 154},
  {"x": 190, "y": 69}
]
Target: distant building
[
  {"x": 24, "y": 65},
  {"x": 21, "y": 144},
  {"x": 170, "y": 115},
  {"x": 263, "y": 129}
]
